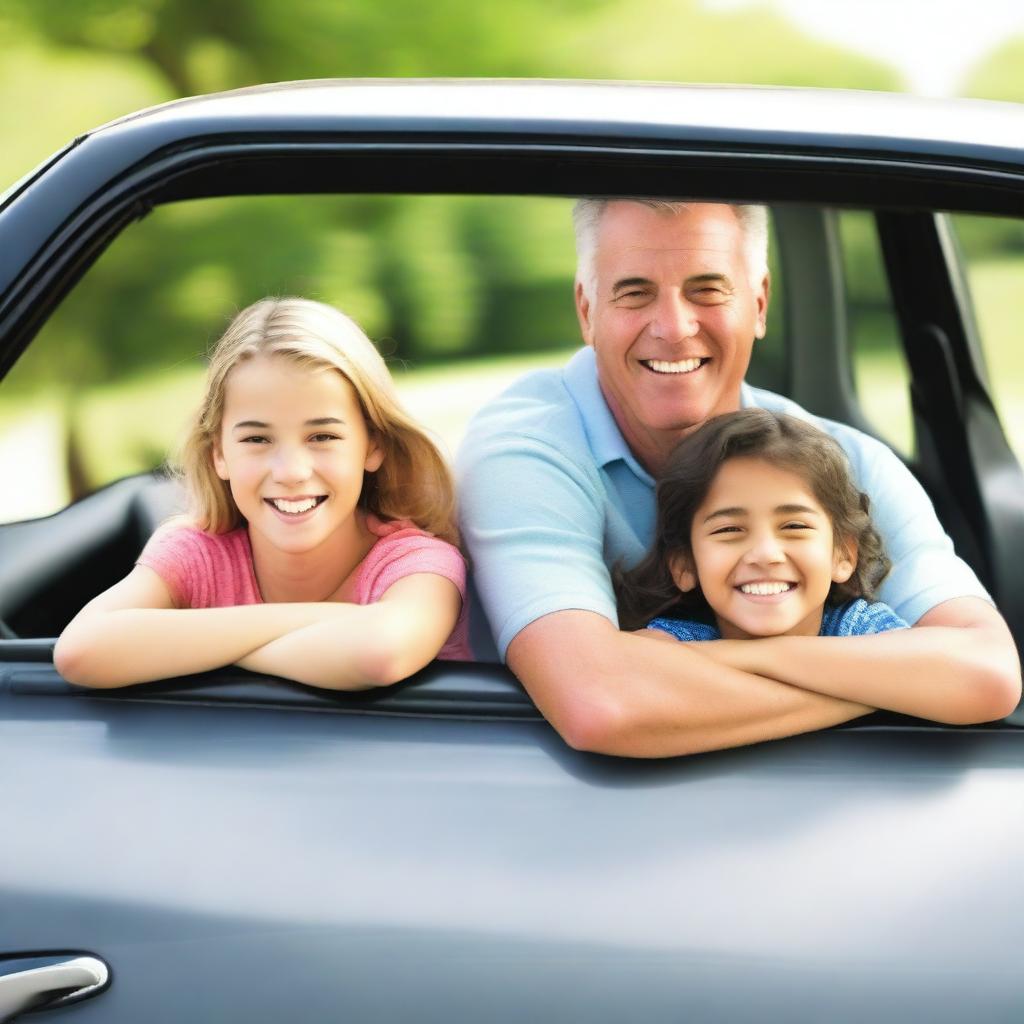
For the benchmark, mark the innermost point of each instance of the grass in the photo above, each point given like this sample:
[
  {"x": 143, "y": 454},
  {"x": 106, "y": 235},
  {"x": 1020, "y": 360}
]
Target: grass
[
  {"x": 881, "y": 382},
  {"x": 995, "y": 286}
]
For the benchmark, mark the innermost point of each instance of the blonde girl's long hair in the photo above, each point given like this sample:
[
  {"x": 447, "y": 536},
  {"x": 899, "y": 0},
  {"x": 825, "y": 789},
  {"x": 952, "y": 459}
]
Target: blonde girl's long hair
[{"x": 413, "y": 481}]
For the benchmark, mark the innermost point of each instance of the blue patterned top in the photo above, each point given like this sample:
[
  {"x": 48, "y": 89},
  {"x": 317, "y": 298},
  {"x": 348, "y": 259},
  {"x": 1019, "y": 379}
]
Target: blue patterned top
[{"x": 856, "y": 618}]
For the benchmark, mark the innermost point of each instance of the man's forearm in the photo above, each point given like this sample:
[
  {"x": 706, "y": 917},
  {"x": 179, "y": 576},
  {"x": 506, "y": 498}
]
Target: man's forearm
[{"x": 619, "y": 693}]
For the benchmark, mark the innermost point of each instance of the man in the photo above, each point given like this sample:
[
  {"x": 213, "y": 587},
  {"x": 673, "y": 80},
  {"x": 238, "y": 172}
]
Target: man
[{"x": 557, "y": 486}]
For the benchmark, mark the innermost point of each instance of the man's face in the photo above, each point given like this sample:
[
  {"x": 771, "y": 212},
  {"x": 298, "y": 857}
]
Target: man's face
[{"x": 672, "y": 321}]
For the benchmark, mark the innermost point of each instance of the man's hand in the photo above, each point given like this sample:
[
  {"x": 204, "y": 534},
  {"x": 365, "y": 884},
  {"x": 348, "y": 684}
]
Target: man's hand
[{"x": 622, "y": 693}]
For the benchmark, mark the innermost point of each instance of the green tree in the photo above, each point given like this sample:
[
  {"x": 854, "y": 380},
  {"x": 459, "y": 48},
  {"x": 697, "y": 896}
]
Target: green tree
[
  {"x": 435, "y": 276},
  {"x": 681, "y": 41},
  {"x": 203, "y": 45},
  {"x": 1001, "y": 75}
]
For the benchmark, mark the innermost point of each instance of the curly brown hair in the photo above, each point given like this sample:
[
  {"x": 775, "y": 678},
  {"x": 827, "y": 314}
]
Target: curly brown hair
[{"x": 648, "y": 590}]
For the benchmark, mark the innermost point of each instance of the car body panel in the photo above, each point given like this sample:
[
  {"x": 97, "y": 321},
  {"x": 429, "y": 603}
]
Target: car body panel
[{"x": 286, "y": 861}]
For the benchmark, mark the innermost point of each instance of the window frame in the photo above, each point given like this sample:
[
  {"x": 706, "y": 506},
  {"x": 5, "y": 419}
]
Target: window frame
[{"x": 63, "y": 219}]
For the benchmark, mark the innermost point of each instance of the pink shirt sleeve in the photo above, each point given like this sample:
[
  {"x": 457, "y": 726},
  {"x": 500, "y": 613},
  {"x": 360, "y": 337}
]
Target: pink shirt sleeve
[
  {"x": 406, "y": 552},
  {"x": 202, "y": 570}
]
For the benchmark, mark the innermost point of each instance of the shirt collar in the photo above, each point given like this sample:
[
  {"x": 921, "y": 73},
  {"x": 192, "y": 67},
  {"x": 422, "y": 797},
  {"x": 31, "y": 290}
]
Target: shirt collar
[
  {"x": 606, "y": 441},
  {"x": 603, "y": 435}
]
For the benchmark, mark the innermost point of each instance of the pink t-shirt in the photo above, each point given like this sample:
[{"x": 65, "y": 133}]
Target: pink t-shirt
[{"x": 209, "y": 570}]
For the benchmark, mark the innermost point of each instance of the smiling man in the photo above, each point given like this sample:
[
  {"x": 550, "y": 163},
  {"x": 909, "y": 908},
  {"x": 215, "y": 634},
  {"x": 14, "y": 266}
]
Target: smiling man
[
  {"x": 557, "y": 481},
  {"x": 671, "y": 304}
]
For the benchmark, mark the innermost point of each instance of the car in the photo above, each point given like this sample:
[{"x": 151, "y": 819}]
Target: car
[{"x": 233, "y": 847}]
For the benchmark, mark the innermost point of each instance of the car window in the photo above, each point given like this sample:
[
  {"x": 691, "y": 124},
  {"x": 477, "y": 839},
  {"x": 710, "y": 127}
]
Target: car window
[
  {"x": 880, "y": 373},
  {"x": 991, "y": 250},
  {"x": 463, "y": 294}
]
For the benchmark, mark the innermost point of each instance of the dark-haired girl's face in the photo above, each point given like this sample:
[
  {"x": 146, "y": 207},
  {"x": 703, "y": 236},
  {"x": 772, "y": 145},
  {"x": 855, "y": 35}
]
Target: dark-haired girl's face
[{"x": 763, "y": 551}]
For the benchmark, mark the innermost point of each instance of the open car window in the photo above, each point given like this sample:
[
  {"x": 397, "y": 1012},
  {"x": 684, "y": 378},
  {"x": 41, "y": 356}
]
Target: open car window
[
  {"x": 126, "y": 293},
  {"x": 462, "y": 294}
]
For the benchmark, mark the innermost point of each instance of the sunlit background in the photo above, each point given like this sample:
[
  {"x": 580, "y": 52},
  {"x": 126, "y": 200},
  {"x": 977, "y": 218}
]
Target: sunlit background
[{"x": 461, "y": 293}]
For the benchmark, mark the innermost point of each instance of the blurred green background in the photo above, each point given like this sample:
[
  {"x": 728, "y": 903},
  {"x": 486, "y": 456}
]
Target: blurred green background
[{"x": 483, "y": 283}]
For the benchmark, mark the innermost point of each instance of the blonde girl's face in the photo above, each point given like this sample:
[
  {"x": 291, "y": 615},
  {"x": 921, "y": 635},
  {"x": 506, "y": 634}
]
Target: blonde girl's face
[
  {"x": 763, "y": 551},
  {"x": 293, "y": 445}
]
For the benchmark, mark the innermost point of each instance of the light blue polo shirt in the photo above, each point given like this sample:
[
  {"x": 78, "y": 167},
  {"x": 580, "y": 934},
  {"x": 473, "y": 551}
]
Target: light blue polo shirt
[{"x": 551, "y": 498}]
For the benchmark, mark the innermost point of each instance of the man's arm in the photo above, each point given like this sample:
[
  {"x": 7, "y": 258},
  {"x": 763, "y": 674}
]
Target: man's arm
[
  {"x": 958, "y": 665},
  {"x": 541, "y": 572},
  {"x": 623, "y": 693}
]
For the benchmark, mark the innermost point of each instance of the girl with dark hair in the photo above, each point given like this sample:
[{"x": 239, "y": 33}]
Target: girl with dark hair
[{"x": 760, "y": 532}]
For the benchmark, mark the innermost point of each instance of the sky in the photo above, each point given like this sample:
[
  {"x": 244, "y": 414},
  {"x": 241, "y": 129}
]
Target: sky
[{"x": 934, "y": 44}]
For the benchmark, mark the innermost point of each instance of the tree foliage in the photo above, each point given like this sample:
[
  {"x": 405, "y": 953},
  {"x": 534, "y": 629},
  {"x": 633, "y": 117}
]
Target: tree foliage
[
  {"x": 434, "y": 277},
  {"x": 1001, "y": 75}
]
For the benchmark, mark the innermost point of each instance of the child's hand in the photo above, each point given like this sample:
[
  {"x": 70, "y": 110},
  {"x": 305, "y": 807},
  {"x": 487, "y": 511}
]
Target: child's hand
[
  {"x": 655, "y": 634},
  {"x": 738, "y": 654}
]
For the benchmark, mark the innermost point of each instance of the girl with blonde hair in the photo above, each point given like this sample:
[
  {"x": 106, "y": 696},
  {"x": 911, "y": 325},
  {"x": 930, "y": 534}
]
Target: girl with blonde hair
[{"x": 320, "y": 543}]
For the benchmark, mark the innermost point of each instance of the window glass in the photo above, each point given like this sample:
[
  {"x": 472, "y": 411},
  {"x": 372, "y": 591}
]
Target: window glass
[
  {"x": 880, "y": 372},
  {"x": 992, "y": 250}
]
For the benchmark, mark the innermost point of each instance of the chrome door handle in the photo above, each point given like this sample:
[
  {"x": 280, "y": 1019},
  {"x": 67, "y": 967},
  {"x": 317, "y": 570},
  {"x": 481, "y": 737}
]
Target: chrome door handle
[{"x": 51, "y": 986}]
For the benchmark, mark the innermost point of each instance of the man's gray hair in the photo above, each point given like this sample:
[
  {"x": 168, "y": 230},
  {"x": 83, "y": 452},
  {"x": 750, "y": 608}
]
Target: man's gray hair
[{"x": 587, "y": 214}]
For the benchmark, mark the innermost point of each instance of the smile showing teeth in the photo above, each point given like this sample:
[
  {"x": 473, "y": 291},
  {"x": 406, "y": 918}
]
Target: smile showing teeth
[
  {"x": 294, "y": 508},
  {"x": 682, "y": 366},
  {"x": 765, "y": 589}
]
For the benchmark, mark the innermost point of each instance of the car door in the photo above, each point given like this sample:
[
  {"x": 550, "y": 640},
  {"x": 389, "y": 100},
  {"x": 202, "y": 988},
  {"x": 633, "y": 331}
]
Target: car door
[
  {"x": 237, "y": 847},
  {"x": 242, "y": 851}
]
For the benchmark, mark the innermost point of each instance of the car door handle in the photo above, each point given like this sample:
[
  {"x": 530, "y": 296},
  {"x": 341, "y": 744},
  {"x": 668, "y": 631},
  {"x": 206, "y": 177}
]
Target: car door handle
[{"x": 51, "y": 986}]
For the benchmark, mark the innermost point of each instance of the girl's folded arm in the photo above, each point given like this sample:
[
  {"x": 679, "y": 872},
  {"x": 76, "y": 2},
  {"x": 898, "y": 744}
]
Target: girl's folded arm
[
  {"x": 367, "y": 645},
  {"x": 958, "y": 665},
  {"x": 132, "y": 633}
]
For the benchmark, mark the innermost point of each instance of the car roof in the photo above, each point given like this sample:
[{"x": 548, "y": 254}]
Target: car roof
[
  {"x": 568, "y": 138},
  {"x": 840, "y": 119}
]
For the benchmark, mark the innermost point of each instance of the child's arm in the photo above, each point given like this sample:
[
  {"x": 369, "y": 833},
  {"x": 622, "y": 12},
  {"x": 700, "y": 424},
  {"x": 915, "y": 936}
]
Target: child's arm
[
  {"x": 957, "y": 665},
  {"x": 369, "y": 645},
  {"x": 132, "y": 633}
]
